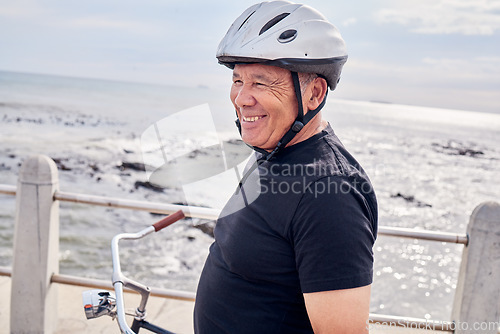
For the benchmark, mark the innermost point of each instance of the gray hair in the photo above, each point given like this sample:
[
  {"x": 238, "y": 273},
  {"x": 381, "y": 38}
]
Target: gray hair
[{"x": 305, "y": 79}]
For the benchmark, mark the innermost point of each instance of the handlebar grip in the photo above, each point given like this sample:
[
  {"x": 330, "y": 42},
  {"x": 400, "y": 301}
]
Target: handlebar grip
[{"x": 170, "y": 219}]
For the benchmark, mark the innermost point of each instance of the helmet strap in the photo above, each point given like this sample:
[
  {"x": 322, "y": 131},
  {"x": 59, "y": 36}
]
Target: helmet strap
[
  {"x": 301, "y": 119},
  {"x": 298, "y": 94}
]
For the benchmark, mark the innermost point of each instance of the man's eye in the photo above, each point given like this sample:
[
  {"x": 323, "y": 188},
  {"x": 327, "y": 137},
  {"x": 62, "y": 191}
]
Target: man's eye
[{"x": 237, "y": 81}]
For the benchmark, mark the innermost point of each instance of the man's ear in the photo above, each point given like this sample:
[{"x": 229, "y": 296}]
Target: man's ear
[{"x": 316, "y": 93}]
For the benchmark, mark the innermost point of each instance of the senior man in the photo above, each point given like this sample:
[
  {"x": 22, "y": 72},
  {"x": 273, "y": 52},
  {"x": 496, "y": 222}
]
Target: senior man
[{"x": 298, "y": 257}]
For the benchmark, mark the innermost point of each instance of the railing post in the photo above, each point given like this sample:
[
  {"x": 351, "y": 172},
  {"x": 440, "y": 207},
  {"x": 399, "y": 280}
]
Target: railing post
[
  {"x": 36, "y": 249},
  {"x": 476, "y": 308}
]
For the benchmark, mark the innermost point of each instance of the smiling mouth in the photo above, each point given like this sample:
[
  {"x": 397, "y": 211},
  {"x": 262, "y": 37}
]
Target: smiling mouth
[{"x": 252, "y": 118}]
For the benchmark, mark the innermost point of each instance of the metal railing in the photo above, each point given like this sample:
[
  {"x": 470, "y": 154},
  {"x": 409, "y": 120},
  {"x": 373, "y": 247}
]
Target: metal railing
[
  {"x": 106, "y": 284},
  {"x": 212, "y": 214},
  {"x": 42, "y": 189}
]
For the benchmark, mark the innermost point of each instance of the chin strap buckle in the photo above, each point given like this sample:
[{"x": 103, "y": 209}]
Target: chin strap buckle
[{"x": 297, "y": 126}]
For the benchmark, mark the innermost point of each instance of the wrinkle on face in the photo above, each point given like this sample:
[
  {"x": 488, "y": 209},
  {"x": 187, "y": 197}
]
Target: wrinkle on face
[
  {"x": 274, "y": 81},
  {"x": 268, "y": 91}
]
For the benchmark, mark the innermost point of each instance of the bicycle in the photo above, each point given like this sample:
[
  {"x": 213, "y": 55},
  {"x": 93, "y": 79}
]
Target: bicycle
[{"x": 97, "y": 303}]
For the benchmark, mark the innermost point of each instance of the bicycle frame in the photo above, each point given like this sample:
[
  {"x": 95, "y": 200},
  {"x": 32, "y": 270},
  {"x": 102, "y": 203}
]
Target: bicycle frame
[{"x": 137, "y": 324}]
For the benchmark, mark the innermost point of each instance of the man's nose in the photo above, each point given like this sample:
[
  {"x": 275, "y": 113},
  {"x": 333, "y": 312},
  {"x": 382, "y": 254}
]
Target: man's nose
[{"x": 244, "y": 97}]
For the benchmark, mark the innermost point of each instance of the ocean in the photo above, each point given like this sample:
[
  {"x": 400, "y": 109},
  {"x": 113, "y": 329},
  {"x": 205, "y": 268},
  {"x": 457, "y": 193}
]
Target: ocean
[{"x": 430, "y": 168}]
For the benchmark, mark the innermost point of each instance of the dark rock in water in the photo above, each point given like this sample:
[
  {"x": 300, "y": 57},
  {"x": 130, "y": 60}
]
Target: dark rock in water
[
  {"x": 207, "y": 151},
  {"x": 94, "y": 167},
  {"x": 405, "y": 197},
  {"x": 470, "y": 152},
  {"x": 207, "y": 228},
  {"x": 235, "y": 142},
  {"x": 138, "y": 166},
  {"x": 147, "y": 185},
  {"x": 411, "y": 199},
  {"x": 458, "y": 148},
  {"x": 186, "y": 265},
  {"x": 60, "y": 165}
]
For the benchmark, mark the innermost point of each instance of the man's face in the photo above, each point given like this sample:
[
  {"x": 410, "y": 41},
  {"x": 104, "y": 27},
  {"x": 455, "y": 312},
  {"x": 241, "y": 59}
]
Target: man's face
[{"x": 265, "y": 102}]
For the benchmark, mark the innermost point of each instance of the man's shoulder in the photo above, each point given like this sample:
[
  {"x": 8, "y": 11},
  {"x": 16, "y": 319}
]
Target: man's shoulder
[{"x": 331, "y": 158}]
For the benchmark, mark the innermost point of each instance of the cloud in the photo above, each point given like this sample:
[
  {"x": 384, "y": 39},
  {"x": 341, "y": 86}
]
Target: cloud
[
  {"x": 467, "y": 17},
  {"x": 348, "y": 22}
]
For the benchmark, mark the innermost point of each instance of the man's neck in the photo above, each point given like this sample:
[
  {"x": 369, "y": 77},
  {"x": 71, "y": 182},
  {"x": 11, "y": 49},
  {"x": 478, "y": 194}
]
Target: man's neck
[{"x": 315, "y": 126}]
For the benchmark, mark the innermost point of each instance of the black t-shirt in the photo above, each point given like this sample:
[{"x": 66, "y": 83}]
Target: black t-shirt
[{"x": 304, "y": 222}]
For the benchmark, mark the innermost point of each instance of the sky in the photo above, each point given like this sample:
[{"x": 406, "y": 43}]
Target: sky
[{"x": 437, "y": 53}]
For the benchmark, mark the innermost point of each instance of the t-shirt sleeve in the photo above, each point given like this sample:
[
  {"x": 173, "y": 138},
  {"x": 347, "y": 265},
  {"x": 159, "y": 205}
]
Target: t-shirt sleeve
[{"x": 333, "y": 233}]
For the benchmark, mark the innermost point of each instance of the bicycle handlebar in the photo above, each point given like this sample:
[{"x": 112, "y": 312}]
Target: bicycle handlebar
[
  {"x": 120, "y": 281},
  {"x": 169, "y": 220}
]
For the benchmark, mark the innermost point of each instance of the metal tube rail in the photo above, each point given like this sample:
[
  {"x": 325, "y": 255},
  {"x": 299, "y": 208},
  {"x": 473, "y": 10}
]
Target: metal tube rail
[
  {"x": 411, "y": 323},
  {"x": 102, "y": 284},
  {"x": 4, "y": 271},
  {"x": 388, "y": 320},
  {"x": 107, "y": 285},
  {"x": 208, "y": 213},
  {"x": 423, "y": 235},
  {"x": 8, "y": 190},
  {"x": 190, "y": 211}
]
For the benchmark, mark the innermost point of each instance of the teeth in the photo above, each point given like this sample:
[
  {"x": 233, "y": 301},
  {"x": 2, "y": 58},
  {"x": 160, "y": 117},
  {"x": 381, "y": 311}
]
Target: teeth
[{"x": 251, "y": 119}]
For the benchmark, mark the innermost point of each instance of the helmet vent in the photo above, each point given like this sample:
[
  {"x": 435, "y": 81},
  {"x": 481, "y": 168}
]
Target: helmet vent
[
  {"x": 246, "y": 20},
  {"x": 287, "y": 36},
  {"x": 272, "y": 22}
]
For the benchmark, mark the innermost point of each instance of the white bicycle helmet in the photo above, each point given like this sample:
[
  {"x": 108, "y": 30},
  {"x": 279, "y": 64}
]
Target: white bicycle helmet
[
  {"x": 283, "y": 34},
  {"x": 291, "y": 36}
]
